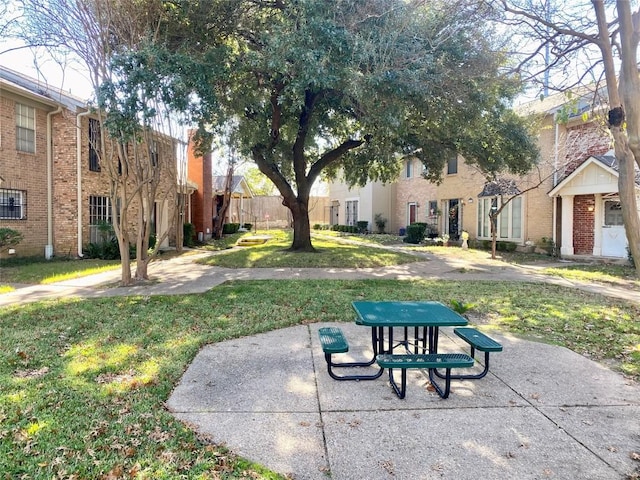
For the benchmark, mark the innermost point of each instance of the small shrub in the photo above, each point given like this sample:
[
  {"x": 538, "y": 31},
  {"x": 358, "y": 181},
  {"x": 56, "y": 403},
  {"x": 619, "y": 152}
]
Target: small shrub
[
  {"x": 229, "y": 228},
  {"x": 247, "y": 226},
  {"x": 506, "y": 246},
  {"x": 363, "y": 226},
  {"x": 317, "y": 226},
  {"x": 415, "y": 233},
  {"x": 9, "y": 238},
  {"x": 380, "y": 222},
  {"x": 189, "y": 235},
  {"x": 108, "y": 250}
]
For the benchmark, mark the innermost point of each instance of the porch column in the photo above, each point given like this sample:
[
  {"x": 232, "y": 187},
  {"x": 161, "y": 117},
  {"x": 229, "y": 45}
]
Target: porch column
[
  {"x": 567, "y": 225},
  {"x": 598, "y": 217}
]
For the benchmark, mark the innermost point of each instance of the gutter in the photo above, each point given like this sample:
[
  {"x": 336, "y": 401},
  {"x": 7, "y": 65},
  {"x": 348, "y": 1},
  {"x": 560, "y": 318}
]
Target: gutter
[
  {"x": 79, "y": 176},
  {"x": 48, "y": 249}
]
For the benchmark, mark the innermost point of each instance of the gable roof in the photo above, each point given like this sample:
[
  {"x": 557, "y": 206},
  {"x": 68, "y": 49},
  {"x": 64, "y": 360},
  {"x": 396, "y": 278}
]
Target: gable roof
[
  {"x": 501, "y": 186},
  {"x": 607, "y": 163},
  {"x": 239, "y": 186}
]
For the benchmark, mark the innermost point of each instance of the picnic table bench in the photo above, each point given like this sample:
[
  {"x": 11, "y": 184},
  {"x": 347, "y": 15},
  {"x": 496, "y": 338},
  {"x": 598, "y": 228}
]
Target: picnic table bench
[
  {"x": 333, "y": 342},
  {"x": 431, "y": 361}
]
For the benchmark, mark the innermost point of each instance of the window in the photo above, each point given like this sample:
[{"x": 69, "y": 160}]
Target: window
[
  {"x": 94, "y": 145},
  {"x": 409, "y": 169},
  {"x": 351, "y": 211},
  {"x": 452, "y": 165},
  {"x": 509, "y": 225},
  {"x": 153, "y": 153},
  {"x": 25, "y": 128},
  {"x": 433, "y": 208},
  {"x": 99, "y": 217},
  {"x": 612, "y": 213},
  {"x": 13, "y": 205}
]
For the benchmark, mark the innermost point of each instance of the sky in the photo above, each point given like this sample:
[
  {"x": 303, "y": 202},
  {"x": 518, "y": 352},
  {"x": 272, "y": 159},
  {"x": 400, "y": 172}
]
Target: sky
[{"x": 39, "y": 65}]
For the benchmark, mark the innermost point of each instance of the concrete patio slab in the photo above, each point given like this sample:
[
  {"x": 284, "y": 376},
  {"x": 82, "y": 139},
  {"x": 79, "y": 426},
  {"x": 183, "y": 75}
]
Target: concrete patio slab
[{"x": 542, "y": 412}]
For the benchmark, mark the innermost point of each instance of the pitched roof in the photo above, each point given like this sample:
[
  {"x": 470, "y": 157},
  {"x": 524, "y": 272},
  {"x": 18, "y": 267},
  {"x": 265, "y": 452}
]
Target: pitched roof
[
  {"x": 608, "y": 162},
  {"x": 499, "y": 187},
  {"x": 238, "y": 185}
]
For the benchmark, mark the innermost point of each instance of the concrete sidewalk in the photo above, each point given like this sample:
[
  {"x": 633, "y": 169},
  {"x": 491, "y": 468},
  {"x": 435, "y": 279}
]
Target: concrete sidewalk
[
  {"x": 543, "y": 412},
  {"x": 180, "y": 275}
]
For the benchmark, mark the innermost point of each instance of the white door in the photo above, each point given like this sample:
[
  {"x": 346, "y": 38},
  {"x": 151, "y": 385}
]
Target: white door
[{"x": 614, "y": 238}]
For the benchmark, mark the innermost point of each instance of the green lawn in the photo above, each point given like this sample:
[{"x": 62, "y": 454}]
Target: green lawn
[
  {"x": 84, "y": 381},
  {"x": 32, "y": 271},
  {"x": 330, "y": 253}
]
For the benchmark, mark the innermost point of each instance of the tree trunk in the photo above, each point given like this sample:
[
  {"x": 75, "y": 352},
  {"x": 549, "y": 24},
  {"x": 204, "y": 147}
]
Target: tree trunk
[
  {"x": 623, "y": 102},
  {"x": 125, "y": 261},
  {"x": 301, "y": 228},
  {"x": 221, "y": 213},
  {"x": 627, "y": 193}
]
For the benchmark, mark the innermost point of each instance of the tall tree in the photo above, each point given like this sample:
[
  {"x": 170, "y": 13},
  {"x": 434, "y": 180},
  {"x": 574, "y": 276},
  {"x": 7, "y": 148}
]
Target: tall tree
[
  {"x": 576, "y": 42},
  {"x": 315, "y": 87},
  {"x": 138, "y": 151}
]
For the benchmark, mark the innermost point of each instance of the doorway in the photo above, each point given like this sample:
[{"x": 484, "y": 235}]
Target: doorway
[{"x": 614, "y": 238}]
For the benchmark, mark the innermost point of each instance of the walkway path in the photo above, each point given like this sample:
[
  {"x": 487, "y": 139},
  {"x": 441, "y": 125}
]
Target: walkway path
[{"x": 181, "y": 275}]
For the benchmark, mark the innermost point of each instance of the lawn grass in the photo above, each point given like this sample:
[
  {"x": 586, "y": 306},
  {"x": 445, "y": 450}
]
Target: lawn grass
[
  {"x": 84, "y": 381},
  {"x": 596, "y": 273},
  {"x": 41, "y": 271},
  {"x": 329, "y": 253}
]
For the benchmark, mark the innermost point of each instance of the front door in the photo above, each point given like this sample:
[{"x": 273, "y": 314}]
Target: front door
[
  {"x": 453, "y": 219},
  {"x": 614, "y": 238}
]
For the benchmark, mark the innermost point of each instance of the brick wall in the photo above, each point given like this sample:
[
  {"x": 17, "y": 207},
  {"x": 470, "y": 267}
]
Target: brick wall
[
  {"x": 26, "y": 172},
  {"x": 583, "y": 141},
  {"x": 583, "y": 224}
]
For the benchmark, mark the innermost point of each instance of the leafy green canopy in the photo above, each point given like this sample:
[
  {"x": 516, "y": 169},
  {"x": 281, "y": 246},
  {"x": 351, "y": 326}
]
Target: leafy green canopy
[{"x": 313, "y": 86}]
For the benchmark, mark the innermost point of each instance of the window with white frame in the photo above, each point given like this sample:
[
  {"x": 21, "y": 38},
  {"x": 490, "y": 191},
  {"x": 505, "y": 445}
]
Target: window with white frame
[
  {"x": 99, "y": 218},
  {"x": 509, "y": 225},
  {"x": 25, "y": 128},
  {"x": 351, "y": 212},
  {"x": 13, "y": 204},
  {"x": 409, "y": 169}
]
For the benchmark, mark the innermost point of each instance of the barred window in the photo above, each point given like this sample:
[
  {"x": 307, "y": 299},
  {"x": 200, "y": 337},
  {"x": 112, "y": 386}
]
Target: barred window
[
  {"x": 94, "y": 145},
  {"x": 351, "y": 212},
  {"x": 25, "y": 128},
  {"x": 99, "y": 217},
  {"x": 153, "y": 153},
  {"x": 13, "y": 204}
]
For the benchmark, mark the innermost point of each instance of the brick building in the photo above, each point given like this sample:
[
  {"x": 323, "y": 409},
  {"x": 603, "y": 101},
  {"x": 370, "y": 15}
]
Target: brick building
[
  {"x": 53, "y": 189},
  {"x": 575, "y": 206}
]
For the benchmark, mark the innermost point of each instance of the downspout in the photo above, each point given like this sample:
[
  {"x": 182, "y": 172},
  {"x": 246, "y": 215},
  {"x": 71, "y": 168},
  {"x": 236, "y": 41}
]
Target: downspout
[
  {"x": 79, "y": 176},
  {"x": 554, "y": 219},
  {"x": 48, "y": 249}
]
